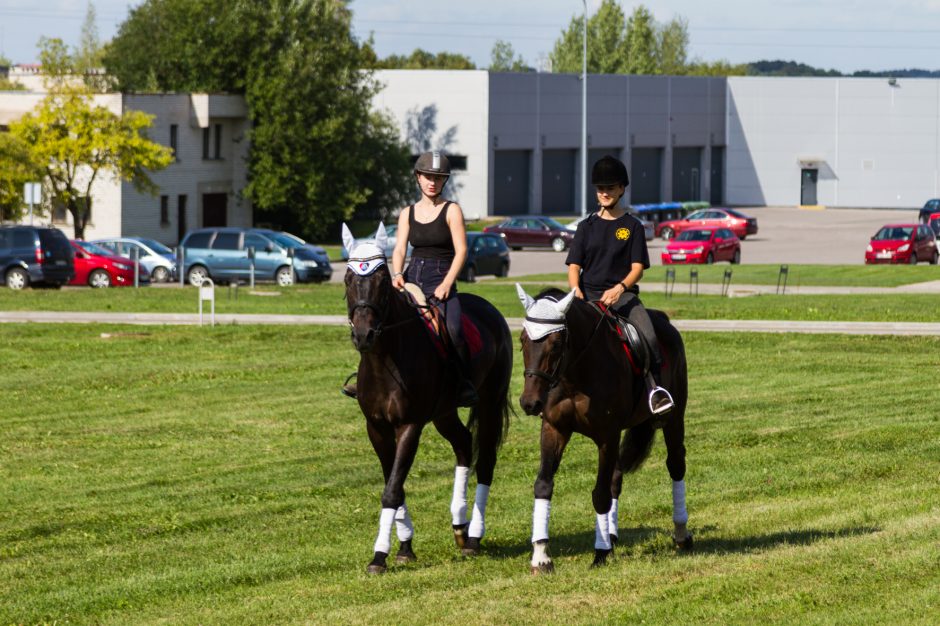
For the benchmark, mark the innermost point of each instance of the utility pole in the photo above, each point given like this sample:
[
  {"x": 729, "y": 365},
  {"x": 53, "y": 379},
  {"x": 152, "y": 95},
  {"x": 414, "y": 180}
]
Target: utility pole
[{"x": 584, "y": 114}]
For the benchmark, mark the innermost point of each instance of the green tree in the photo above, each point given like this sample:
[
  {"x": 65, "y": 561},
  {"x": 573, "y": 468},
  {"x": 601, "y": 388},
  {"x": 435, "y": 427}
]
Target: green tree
[
  {"x": 89, "y": 55},
  {"x": 423, "y": 60},
  {"x": 568, "y": 50},
  {"x": 607, "y": 39},
  {"x": 76, "y": 142},
  {"x": 672, "y": 44},
  {"x": 504, "y": 59},
  {"x": 717, "y": 68},
  {"x": 640, "y": 43},
  {"x": 16, "y": 169}
]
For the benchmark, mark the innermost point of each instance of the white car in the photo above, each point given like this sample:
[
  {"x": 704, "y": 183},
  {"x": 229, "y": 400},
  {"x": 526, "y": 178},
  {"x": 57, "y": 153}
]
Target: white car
[
  {"x": 156, "y": 257},
  {"x": 648, "y": 228}
]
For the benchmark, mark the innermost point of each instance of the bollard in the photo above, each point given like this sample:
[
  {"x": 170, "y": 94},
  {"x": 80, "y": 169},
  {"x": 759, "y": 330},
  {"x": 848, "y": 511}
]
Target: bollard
[
  {"x": 233, "y": 289},
  {"x": 181, "y": 264},
  {"x": 670, "y": 281},
  {"x": 784, "y": 273},
  {"x": 136, "y": 259},
  {"x": 207, "y": 292},
  {"x": 726, "y": 282},
  {"x": 693, "y": 277},
  {"x": 290, "y": 255},
  {"x": 251, "y": 266}
]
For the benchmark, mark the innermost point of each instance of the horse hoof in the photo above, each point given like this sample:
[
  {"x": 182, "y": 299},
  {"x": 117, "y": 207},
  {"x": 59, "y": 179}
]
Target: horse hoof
[
  {"x": 685, "y": 545},
  {"x": 377, "y": 565},
  {"x": 460, "y": 535},
  {"x": 600, "y": 557},
  {"x": 471, "y": 547},
  {"x": 613, "y": 541},
  {"x": 543, "y": 568},
  {"x": 405, "y": 553}
]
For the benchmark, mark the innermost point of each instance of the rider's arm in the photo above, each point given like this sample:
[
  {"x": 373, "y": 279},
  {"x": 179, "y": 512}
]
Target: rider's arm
[
  {"x": 458, "y": 233},
  {"x": 401, "y": 246},
  {"x": 574, "y": 279},
  {"x": 636, "y": 273}
]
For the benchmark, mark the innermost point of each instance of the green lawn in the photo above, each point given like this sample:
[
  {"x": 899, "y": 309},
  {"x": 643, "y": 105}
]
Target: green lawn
[
  {"x": 216, "y": 476},
  {"x": 328, "y": 299}
]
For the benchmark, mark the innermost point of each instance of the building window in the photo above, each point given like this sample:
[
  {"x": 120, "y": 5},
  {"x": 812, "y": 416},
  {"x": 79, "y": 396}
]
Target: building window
[
  {"x": 60, "y": 214},
  {"x": 218, "y": 141},
  {"x": 174, "y": 141},
  {"x": 164, "y": 210},
  {"x": 206, "y": 137}
]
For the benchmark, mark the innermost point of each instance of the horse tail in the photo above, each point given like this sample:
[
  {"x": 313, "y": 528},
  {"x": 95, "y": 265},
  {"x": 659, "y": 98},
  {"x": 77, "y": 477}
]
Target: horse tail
[{"x": 636, "y": 446}]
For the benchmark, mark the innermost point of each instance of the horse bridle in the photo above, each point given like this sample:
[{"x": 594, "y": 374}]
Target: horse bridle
[
  {"x": 555, "y": 377},
  {"x": 381, "y": 313}
]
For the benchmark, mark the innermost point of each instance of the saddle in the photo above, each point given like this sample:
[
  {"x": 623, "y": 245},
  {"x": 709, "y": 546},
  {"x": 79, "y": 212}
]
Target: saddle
[
  {"x": 638, "y": 353},
  {"x": 434, "y": 322}
]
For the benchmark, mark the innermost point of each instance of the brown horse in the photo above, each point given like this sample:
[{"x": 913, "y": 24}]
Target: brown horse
[
  {"x": 405, "y": 381},
  {"x": 578, "y": 379}
]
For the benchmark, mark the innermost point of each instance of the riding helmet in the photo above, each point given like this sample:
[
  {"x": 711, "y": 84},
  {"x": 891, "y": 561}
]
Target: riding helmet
[
  {"x": 609, "y": 171},
  {"x": 433, "y": 163}
]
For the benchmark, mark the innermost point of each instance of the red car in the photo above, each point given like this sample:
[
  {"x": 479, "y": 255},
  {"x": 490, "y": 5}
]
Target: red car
[
  {"x": 738, "y": 223},
  {"x": 535, "y": 231},
  {"x": 902, "y": 243},
  {"x": 703, "y": 245},
  {"x": 97, "y": 267}
]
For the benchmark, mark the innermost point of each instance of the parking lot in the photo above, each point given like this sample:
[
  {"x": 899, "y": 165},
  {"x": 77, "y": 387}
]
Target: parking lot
[{"x": 786, "y": 235}]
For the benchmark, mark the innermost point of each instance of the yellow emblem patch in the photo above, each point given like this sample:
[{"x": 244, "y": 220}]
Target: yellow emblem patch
[{"x": 623, "y": 234}]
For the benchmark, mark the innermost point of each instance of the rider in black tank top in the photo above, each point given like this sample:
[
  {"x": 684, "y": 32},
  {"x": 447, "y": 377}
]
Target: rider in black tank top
[{"x": 432, "y": 240}]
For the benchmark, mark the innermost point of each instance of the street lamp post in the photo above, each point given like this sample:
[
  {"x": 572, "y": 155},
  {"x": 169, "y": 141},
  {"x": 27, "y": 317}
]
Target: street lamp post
[{"x": 584, "y": 114}]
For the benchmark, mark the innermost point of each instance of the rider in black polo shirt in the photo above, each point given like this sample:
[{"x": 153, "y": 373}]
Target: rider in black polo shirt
[{"x": 606, "y": 261}]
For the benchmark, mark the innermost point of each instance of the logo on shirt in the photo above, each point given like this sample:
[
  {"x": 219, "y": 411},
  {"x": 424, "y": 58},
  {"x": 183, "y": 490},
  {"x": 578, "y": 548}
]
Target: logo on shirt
[{"x": 622, "y": 234}]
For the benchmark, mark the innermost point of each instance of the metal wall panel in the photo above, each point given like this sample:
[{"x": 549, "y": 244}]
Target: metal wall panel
[
  {"x": 646, "y": 175},
  {"x": 686, "y": 174},
  {"x": 511, "y": 182},
  {"x": 558, "y": 174}
]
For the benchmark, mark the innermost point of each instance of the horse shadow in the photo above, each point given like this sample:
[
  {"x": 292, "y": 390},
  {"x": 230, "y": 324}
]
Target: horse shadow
[{"x": 708, "y": 543}]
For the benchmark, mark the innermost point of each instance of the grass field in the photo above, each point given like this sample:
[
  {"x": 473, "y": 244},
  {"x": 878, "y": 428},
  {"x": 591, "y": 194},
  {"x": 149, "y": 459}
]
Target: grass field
[
  {"x": 197, "y": 476},
  {"x": 328, "y": 300}
]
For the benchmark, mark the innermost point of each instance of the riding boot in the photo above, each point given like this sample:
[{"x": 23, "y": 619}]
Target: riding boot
[
  {"x": 466, "y": 392},
  {"x": 660, "y": 400},
  {"x": 349, "y": 389}
]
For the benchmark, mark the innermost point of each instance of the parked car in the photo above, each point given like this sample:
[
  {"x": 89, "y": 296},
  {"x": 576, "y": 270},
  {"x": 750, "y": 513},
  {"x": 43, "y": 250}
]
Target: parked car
[
  {"x": 931, "y": 206},
  {"x": 902, "y": 243},
  {"x": 735, "y": 221},
  {"x": 99, "y": 267},
  {"x": 308, "y": 251},
  {"x": 648, "y": 226},
  {"x": 703, "y": 245},
  {"x": 392, "y": 232},
  {"x": 934, "y": 223},
  {"x": 533, "y": 231},
  {"x": 486, "y": 254},
  {"x": 34, "y": 255},
  {"x": 222, "y": 254},
  {"x": 159, "y": 260}
]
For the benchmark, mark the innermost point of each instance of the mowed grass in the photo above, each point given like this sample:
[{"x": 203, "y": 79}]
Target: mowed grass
[
  {"x": 328, "y": 299},
  {"x": 216, "y": 476}
]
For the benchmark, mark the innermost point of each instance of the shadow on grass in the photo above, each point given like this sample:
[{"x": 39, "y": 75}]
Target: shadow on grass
[{"x": 755, "y": 543}]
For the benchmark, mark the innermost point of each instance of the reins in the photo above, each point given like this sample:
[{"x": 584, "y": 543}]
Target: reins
[{"x": 555, "y": 377}]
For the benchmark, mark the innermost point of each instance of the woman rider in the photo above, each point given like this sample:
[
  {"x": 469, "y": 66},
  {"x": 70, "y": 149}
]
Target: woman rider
[
  {"x": 606, "y": 261},
  {"x": 435, "y": 229}
]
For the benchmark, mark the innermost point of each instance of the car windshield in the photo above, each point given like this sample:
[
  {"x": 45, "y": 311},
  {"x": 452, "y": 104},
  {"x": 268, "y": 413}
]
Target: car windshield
[
  {"x": 92, "y": 248},
  {"x": 552, "y": 224},
  {"x": 286, "y": 240},
  {"x": 156, "y": 246},
  {"x": 737, "y": 214},
  {"x": 694, "y": 235},
  {"x": 894, "y": 233}
]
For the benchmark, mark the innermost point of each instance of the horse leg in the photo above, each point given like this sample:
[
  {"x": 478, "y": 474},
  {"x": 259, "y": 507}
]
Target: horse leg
[
  {"x": 606, "y": 464},
  {"x": 674, "y": 436},
  {"x": 616, "y": 485},
  {"x": 393, "y": 497},
  {"x": 552, "y": 442},
  {"x": 453, "y": 430}
]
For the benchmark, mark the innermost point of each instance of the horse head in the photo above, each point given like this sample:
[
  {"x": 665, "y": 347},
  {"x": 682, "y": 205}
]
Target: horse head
[
  {"x": 368, "y": 287},
  {"x": 544, "y": 342}
]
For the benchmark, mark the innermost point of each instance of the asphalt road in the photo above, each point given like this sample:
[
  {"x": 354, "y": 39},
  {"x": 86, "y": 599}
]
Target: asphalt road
[{"x": 785, "y": 235}]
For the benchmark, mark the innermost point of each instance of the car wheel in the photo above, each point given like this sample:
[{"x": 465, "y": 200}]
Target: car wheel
[
  {"x": 913, "y": 259},
  {"x": 99, "y": 279},
  {"x": 503, "y": 270},
  {"x": 667, "y": 233},
  {"x": 935, "y": 257},
  {"x": 160, "y": 275},
  {"x": 517, "y": 247},
  {"x": 470, "y": 274},
  {"x": 742, "y": 237},
  {"x": 196, "y": 275},
  {"x": 558, "y": 244},
  {"x": 736, "y": 258},
  {"x": 284, "y": 277},
  {"x": 709, "y": 259},
  {"x": 17, "y": 278}
]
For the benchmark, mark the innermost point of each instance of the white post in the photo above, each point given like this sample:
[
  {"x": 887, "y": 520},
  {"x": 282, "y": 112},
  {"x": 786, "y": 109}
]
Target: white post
[
  {"x": 207, "y": 292},
  {"x": 584, "y": 187}
]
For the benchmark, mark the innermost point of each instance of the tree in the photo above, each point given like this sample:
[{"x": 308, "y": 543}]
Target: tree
[
  {"x": 568, "y": 50},
  {"x": 16, "y": 169},
  {"x": 76, "y": 142},
  {"x": 423, "y": 60},
  {"x": 606, "y": 39},
  {"x": 640, "y": 43},
  {"x": 504, "y": 59},
  {"x": 672, "y": 44},
  {"x": 89, "y": 55}
]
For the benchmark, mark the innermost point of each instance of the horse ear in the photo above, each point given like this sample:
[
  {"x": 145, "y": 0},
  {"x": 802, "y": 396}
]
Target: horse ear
[
  {"x": 565, "y": 303},
  {"x": 525, "y": 298},
  {"x": 381, "y": 237},
  {"x": 349, "y": 242}
]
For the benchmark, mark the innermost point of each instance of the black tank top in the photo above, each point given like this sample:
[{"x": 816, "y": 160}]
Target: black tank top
[{"x": 432, "y": 240}]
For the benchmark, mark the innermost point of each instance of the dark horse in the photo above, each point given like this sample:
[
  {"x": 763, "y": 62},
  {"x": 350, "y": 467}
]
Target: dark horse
[
  {"x": 404, "y": 382},
  {"x": 578, "y": 378}
]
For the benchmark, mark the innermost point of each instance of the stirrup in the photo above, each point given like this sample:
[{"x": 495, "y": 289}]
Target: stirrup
[
  {"x": 662, "y": 406},
  {"x": 350, "y": 390}
]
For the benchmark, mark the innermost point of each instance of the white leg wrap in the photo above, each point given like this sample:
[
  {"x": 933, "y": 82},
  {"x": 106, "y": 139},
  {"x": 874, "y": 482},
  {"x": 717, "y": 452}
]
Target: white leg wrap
[
  {"x": 601, "y": 533},
  {"x": 612, "y": 518},
  {"x": 540, "y": 554},
  {"x": 383, "y": 543},
  {"x": 540, "y": 513},
  {"x": 478, "y": 521},
  {"x": 458, "y": 503},
  {"x": 403, "y": 523},
  {"x": 679, "y": 514}
]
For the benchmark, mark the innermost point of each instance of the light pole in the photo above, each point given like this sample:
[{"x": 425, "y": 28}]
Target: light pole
[{"x": 584, "y": 114}]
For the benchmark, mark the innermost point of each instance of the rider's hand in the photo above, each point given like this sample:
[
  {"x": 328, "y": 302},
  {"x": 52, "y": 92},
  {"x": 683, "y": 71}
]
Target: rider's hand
[
  {"x": 442, "y": 291},
  {"x": 398, "y": 282},
  {"x": 578, "y": 294},
  {"x": 613, "y": 294}
]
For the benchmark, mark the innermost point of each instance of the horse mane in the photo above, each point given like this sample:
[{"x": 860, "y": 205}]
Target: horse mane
[{"x": 551, "y": 292}]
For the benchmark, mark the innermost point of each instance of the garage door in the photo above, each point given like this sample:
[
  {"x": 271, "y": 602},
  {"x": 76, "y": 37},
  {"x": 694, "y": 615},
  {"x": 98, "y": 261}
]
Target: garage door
[
  {"x": 686, "y": 174},
  {"x": 558, "y": 169},
  {"x": 718, "y": 176},
  {"x": 646, "y": 175},
  {"x": 511, "y": 182}
]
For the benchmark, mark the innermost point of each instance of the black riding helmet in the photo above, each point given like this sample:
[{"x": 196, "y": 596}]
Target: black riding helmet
[
  {"x": 433, "y": 163},
  {"x": 609, "y": 171}
]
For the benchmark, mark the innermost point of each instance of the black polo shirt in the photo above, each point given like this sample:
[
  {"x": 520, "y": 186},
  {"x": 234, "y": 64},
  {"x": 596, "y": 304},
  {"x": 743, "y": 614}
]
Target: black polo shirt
[{"x": 606, "y": 251}]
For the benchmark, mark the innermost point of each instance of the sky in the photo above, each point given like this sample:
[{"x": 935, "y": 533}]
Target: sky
[{"x": 845, "y": 35}]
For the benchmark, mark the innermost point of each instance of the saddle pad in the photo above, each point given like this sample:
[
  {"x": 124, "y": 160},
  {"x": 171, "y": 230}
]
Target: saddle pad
[{"x": 432, "y": 321}]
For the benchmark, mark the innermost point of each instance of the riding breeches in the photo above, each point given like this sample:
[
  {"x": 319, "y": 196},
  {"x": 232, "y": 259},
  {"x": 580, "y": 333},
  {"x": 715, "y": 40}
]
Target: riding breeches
[
  {"x": 630, "y": 307},
  {"x": 428, "y": 274}
]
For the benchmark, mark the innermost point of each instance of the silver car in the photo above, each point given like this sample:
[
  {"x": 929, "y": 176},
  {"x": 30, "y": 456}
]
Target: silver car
[{"x": 156, "y": 257}]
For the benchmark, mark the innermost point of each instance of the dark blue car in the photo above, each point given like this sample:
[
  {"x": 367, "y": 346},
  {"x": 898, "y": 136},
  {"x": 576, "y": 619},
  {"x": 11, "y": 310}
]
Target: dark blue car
[{"x": 486, "y": 254}]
